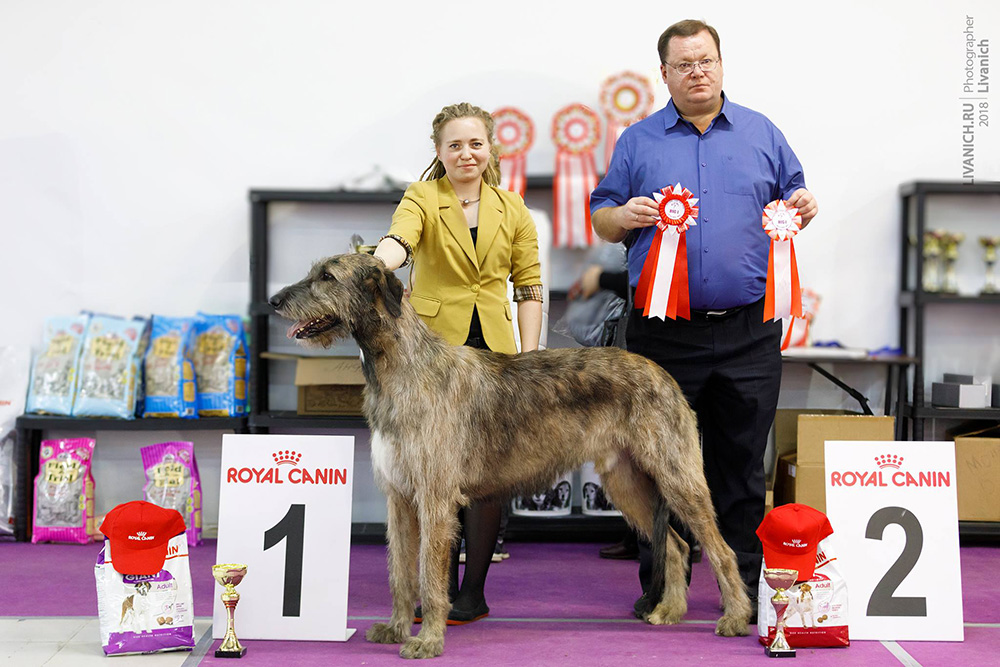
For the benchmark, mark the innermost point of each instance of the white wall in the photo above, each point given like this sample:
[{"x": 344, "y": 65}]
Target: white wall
[{"x": 131, "y": 132}]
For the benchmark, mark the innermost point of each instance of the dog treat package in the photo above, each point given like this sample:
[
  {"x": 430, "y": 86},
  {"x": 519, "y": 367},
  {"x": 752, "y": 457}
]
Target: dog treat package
[
  {"x": 553, "y": 501},
  {"x": 220, "y": 365},
  {"x": 595, "y": 501},
  {"x": 53, "y": 375},
  {"x": 169, "y": 370},
  {"x": 15, "y": 369},
  {"x": 172, "y": 481},
  {"x": 816, "y": 615},
  {"x": 146, "y": 613},
  {"x": 64, "y": 492},
  {"x": 110, "y": 365}
]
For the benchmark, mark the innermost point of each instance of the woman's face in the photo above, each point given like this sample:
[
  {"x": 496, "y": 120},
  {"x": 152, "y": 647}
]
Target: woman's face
[{"x": 464, "y": 149}]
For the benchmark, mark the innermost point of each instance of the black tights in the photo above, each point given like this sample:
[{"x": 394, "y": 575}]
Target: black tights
[{"x": 480, "y": 525}]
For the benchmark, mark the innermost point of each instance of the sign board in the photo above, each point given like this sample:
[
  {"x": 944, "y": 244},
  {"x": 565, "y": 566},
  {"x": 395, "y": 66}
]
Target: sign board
[
  {"x": 894, "y": 509},
  {"x": 285, "y": 512}
]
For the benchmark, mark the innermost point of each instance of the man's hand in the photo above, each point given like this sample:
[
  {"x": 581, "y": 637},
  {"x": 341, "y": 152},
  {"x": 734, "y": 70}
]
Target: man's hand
[
  {"x": 588, "y": 284},
  {"x": 611, "y": 224},
  {"x": 803, "y": 200}
]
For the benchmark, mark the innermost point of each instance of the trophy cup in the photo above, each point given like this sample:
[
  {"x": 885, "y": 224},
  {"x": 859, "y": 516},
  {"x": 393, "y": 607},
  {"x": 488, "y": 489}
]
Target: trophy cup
[
  {"x": 780, "y": 580},
  {"x": 990, "y": 244},
  {"x": 229, "y": 575},
  {"x": 357, "y": 245},
  {"x": 949, "y": 242},
  {"x": 931, "y": 279}
]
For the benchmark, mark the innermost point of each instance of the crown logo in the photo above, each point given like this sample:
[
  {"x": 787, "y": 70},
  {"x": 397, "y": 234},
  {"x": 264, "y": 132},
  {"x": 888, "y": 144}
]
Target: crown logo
[
  {"x": 889, "y": 461},
  {"x": 140, "y": 533},
  {"x": 289, "y": 456}
]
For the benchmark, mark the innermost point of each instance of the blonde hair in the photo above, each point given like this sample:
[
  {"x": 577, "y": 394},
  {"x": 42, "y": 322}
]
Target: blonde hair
[{"x": 453, "y": 112}]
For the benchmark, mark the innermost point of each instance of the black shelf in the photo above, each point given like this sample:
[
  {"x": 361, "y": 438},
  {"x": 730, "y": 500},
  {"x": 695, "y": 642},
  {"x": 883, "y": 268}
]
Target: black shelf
[
  {"x": 908, "y": 298},
  {"x": 291, "y": 419},
  {"x": 54, "y": 423},
  {"x": 948, "y": 188},
  {"x": 935, "y": 412}
]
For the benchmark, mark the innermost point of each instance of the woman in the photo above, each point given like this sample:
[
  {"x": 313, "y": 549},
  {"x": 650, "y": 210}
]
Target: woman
[{"x": 466, "y": 238}]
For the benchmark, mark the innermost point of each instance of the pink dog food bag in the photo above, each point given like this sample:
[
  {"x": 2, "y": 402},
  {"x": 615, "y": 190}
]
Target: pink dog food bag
[
  {"x": 64, "y": 492},
  {"x": 172, "y": 481}
]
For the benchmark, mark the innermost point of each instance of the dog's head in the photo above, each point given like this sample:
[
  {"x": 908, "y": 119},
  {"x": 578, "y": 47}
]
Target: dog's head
[
  {"x": 338, "y": 296},
  {"x": 142, "y": 588}
]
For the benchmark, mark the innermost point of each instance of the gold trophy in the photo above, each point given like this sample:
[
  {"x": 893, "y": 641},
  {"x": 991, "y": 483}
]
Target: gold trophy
[
  {"x": 357, "y": 245},
  {"x": 931, "y": 280},
  {"x": 949, "y": 245},
  {"x": 780, "y": 580},
  {"x": 229, "y": 575},
  {"x": 990, "y": 244}
]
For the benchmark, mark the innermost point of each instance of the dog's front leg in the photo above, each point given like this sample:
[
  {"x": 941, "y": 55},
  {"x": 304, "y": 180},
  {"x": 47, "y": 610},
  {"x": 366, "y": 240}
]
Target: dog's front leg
[
  {"x": 402, "y": 532},
  {"x": 438, "y": 524}
]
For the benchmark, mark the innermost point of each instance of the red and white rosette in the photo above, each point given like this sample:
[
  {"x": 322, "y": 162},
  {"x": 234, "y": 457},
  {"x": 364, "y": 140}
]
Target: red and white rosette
[
  {"x": 576, "y": 129},
  {"x": 783, "y": 296},
  {"x": 796, "y": 329},
  {"x": 626, "y": 98},
  {"x": 514, "y": 134},
  {"x": 662, "y": 290}
]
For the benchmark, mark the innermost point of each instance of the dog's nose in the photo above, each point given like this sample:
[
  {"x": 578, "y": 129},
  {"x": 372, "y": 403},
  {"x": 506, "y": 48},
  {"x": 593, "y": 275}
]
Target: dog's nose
[{"x": 276, "y": 301}]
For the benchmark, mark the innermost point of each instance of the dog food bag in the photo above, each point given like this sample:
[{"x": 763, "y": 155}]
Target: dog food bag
[
  {"x": 15, "y": 369},
  {"x": 53, "y": 375},
  {"x": 169, "y": 369},
  {"x": 8, "y": 440},
  {"x": 64, "y": 492},
  {"x": 817, "y": 609},
  {"x": 108, "y": 382},
  {"x": 146, "y": 613},
  {"x": 220, "y": 364},
  {"x": 172, "y": 481}
]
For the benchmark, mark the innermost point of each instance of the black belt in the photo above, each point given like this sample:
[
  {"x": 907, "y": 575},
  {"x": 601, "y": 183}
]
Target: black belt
[{"x": 716, "y": 314}]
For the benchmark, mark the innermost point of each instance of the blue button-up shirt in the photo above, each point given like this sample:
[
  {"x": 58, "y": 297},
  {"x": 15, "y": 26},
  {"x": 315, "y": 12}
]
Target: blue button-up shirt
[{"x": 739, "y": 165}]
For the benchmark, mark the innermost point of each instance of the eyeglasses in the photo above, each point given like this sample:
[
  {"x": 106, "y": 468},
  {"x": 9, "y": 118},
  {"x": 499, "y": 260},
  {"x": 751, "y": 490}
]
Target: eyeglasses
[{"x": 705, "y": 65}]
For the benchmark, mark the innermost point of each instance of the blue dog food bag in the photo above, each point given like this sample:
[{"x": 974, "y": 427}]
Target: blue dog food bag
[
  {"x": 53, "y": 375},
  {"x": 220, "y": 365},
  {"x": 108, "y": 382},
  {"x": 169, "y": 369}
]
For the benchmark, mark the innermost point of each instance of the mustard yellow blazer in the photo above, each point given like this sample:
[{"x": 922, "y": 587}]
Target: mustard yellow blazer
[{"x": 449, "y": 276}]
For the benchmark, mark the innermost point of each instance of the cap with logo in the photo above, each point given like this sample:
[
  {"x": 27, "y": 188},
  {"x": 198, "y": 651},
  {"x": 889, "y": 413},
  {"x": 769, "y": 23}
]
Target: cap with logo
[
  {"x": 790, "y": 534},
  {"x": 139, "y": 532}
]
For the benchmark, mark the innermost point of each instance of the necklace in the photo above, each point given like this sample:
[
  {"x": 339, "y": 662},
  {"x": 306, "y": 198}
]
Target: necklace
[{"x": 466, "y": 202}]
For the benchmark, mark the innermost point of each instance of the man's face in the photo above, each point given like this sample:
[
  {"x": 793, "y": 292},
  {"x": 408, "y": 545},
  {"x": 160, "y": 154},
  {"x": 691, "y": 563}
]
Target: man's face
[{"x": 698, "y": 89}]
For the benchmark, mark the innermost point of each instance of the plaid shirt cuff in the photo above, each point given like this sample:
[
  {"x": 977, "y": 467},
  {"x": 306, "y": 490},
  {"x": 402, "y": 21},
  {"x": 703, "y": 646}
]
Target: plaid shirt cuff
[
  {"x": 528, "y": 293},
  {"x": 406, "y": 246}
]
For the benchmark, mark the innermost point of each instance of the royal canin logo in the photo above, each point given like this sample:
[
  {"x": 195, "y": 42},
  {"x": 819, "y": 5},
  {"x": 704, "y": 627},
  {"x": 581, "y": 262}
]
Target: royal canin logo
[
  {"x": 796, "y": 544},
  {"x": 286, "y": 456},
  {"x": 141, "y": 536},
  {"x": 883, "y": 477},
  {"x": 297, "y": 475}
]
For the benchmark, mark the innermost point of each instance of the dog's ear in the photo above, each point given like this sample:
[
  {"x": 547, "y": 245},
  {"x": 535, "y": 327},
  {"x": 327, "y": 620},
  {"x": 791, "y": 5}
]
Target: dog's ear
[{"x": 385, "y": 284}]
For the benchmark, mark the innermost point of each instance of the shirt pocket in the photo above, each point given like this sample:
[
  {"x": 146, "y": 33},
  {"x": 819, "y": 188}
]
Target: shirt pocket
[
  {"x": 425, "y": 305},
  {"x": 738, "y": 178}
]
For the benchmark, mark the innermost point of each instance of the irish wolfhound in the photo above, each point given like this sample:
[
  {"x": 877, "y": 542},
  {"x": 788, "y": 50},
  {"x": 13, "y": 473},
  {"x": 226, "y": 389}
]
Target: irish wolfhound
[{"x": 451, "y": 425}]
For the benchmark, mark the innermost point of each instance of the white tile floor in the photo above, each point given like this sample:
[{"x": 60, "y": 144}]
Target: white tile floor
[{"x": 76, "y": 642}]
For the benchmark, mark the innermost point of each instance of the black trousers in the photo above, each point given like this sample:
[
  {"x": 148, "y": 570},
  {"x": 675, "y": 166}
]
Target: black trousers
[{"x": 729, "y": 368}]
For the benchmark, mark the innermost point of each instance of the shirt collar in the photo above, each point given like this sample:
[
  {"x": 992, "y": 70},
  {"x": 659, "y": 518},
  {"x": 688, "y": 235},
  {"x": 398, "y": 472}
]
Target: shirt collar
[{"x": 671, "y": 117}]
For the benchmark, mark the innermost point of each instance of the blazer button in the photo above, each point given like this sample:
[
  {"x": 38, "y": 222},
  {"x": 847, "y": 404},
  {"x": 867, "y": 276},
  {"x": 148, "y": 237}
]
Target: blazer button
[{"x": 475, "y": 288}]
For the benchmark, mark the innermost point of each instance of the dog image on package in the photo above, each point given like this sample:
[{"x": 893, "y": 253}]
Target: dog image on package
[{"x": 144, "y": 581}]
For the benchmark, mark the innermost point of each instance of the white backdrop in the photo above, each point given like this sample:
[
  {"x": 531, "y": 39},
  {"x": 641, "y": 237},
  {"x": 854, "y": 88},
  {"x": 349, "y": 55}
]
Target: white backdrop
[{"x": 131, "y": 132}]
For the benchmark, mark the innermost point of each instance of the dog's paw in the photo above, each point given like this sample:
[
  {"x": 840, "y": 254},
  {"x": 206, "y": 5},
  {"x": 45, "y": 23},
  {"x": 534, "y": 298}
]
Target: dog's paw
[
  {"x": 665, "y": 614},
  {"x": 732, "y": 626},
  {"x": 420, "y": 647},
  {"x": 385, "y": 633}
]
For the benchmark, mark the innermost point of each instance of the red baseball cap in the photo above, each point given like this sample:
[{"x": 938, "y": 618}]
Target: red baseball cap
[
  {"x": 139, "y": 532},
  {"x": 790, "y": 534}
]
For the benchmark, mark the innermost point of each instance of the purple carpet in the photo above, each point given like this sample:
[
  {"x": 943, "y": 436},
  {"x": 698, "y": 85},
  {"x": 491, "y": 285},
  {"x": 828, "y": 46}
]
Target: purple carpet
[{"x": 550, "y": 604}]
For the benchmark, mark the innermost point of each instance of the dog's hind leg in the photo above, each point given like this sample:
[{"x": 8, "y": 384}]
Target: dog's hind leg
[
  {"x": 438, "y": 526},
  {"x": 404, "y": 539}
]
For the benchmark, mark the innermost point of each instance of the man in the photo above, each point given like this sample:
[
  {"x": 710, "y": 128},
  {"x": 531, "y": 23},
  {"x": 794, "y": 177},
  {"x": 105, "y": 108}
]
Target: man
[{"x": 726, "y": 359}]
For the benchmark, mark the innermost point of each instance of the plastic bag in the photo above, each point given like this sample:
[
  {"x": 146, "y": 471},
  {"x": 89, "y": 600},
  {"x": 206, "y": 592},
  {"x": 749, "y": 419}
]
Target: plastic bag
[
  {"x": 169, "y": 370},
  {"x": 172, "y": 481},
  {"x": 64, "y": 492},
  {"x": 108, "y": 382},
  {"x": 53, "y": 375},
  {"x": 592, "y": 322},
  {"x": 220, "y": 364}
]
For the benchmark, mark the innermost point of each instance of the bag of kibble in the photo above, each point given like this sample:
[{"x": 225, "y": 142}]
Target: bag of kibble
[
  {"x": 172, "y": 481},
  {"x": 53, "y": 375},
  {"x": 168, "y": 369},
  {"x": 108, "y": 382},
  {"x": 64, "y": 492},
  {"x": 220, "y": 364}
]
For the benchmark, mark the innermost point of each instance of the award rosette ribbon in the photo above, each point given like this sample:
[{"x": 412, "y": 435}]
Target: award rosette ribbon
[
  {"x": 663, "y": 284},
  {"x": 796, "y": 329},
  {"x": 626, "y": 97},
  {"x": 514, "y": 133},
  {"x": 783, "y": 296},
  {"x": 576, "y": 129}
]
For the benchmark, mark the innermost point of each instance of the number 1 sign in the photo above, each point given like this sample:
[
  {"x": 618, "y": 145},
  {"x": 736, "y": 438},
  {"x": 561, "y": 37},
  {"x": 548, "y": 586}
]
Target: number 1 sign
[
  {"x": 894, "y": 511},
  {"x": 285, "y": 511}
]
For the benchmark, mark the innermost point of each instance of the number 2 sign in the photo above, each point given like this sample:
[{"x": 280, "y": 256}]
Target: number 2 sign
[
  {"x": 894, "y": 510},
  {"x": 285, "y": 512}
]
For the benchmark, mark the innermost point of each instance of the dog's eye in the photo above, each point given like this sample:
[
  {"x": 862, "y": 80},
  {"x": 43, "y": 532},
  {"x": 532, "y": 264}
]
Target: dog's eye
[{"x": 326, "y": 276}]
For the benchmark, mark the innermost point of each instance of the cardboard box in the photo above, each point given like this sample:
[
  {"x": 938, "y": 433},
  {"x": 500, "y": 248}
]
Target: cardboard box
[
  {"x": 951, "y": 395},
  {"x": 985, "y": 380},
  {"x": 815, "y": 430},
  {"x": 798, "y": 483},
  {"x": 326, "y": 385},
  {"x": 786, "y": 433},
  {"x": 977, "y": 472}
]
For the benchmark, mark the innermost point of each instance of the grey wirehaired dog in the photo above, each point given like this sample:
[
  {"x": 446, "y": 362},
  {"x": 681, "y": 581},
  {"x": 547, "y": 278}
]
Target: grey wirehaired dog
[{"x": 451, "y": 425}]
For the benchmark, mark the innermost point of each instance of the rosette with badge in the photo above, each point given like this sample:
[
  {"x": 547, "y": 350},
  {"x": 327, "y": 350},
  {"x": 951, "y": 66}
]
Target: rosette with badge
[
  {"x": 514, "y": 134},
  {"x": 783, "y": 296},
  {"x": 662, "y": 290},
  {"x": 576, "y": 129},
  {"x": 626, "y": 98}
]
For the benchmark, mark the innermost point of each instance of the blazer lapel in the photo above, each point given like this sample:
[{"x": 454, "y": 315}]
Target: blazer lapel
[
  {"x": 490, "y": 217},
  {"x": 450, "y": 211}
]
